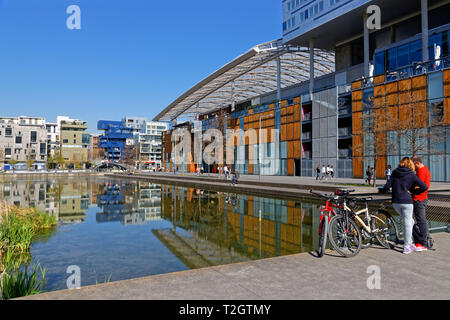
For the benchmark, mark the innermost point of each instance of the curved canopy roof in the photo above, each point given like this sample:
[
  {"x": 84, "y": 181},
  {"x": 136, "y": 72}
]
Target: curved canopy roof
[{"x": 250, "y": 75}]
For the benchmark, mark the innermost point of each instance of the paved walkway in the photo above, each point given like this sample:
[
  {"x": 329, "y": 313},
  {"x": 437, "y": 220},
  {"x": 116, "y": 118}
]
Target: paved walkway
[{"x": 420, "y": 275}]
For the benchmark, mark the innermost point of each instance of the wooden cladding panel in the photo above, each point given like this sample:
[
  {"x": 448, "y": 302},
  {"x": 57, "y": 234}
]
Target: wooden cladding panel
[
  {"x": 290, "y": 131},
  {"x": 405, "y": 116},
  {"x": 290, "y": 167},
  {"x": 283, "y": 103},
  {"x": 297, "y": 149},
  {"x": 379, "y": 93},
  {"x": 357, "y": 122},
  {"x": 357, "y": 101},
  {"x": 447, "y": 97},
  {"x": 379, "y": 79},
  {"x": 391, "y": 118},
  {"x": 358, "y": 168},
  {"x": 357, "y": 85},
  {"x": 357, "y": 145},
  {"x": 296, "y": 130},
  {"x": 297, "y": 112},
  {"x": 290, "y": 149},
  {"x": 381, "y": 167},
  {"x": 419, "y": 85},
  {"x": 297, "y": 100},
  {"x": 392, "y": 94},
  {"x": 283, "y": 132},
  {"x": 404, "y": 91},
  {"x": 420, "y": 115}
]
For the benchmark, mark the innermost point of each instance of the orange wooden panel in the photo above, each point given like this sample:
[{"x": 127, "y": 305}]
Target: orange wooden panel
[
  {"x": 297, "y": 100},
  {"x": 283, "y": 103},
  {"x": 358, "y": 168},
  {"x": 447, "y": 111},
  {"x": 379, "y": 79},
  {"x": 420, "y": 115},
  {"x": 297, "y": 149},
  {"x": 290, "y": 149},
  {"x": 290, "y": 119},
  {"x": 392, "y": 94},
  {"x": 381, "y": 167},
  {"x": 405, "y": 116},
  {"x": 419, "y": 88},
  {"x": 290, "y": 110},
  {"x": 404, "y": 91},
  {"x": 283, "y": 111},
  {"x": 297, "y": 112},
  {"x": 283, "y": 119},
  {"x": 290, "y": 131},
  {"x": 357, "y": 100},
  {"x": 356, "y": 85},
  {"x": 296, "y": 130},
  {"x": 250, "y": 171},
  {"x": 271, "y": 106},
  {"x": 357, "y": 122},
  {"x": 357, "y": 145},
  {"x": 391, "y": 118},
  {"x": 290, "y": 167}
]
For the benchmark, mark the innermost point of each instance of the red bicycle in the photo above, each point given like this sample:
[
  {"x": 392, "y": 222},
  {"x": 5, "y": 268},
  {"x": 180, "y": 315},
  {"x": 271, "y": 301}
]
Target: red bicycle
[{"x": 332, "y": 202}]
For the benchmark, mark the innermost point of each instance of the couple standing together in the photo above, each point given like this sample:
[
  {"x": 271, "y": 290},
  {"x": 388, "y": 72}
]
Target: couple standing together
[{"x": 410, "y": 183}]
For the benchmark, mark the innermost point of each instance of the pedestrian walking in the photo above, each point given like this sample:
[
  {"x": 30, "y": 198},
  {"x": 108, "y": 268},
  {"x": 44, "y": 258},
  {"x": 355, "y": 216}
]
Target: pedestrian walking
[
  {"x": 318, "y": 173},
  {"x": 324, "y": 172},
  {"x": 332, "y": 172},
  {"x": 388, "y": 172},
  {"x": 369, "y": 174},
  {"x": 420, "y": 206},
  {"x": 405, "y": 184}
]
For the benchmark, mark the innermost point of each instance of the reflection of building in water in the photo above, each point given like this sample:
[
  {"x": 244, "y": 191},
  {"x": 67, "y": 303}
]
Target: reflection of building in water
[
  {"x": 22, "y": 193},
  {"x": 253, "y": 226},
  {"x": 130, "y": 203},
  {"x": 74, "y": 200}
]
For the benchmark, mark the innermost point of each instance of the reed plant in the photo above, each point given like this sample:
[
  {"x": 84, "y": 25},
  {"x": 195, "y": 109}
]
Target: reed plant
[{"x": 23, "y": 282}]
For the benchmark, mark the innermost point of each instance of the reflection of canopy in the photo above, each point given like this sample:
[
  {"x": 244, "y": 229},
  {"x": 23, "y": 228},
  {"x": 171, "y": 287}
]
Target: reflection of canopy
[{"x": 252, "y": 74}]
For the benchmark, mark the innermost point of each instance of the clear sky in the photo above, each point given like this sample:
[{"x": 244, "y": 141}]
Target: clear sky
[{"x": 130, "y": 58}]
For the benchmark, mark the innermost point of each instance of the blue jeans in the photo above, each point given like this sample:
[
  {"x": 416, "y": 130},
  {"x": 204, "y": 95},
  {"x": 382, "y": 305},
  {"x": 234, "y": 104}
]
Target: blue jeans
[{"x": 406, "y": 211}]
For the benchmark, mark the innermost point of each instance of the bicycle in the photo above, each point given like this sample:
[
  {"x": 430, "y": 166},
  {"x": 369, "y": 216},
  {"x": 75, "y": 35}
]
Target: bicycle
[
  {"x": 364, "y": 227},
  {"x": 326, "y": 214}
]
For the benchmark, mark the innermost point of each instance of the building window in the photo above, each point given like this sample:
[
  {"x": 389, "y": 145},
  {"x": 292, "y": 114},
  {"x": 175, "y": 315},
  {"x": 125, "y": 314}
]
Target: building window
[
  {"x": 18, "y": 139},
  {"x": 33, "y": 136},
  {"x": 8, "y": 132}
]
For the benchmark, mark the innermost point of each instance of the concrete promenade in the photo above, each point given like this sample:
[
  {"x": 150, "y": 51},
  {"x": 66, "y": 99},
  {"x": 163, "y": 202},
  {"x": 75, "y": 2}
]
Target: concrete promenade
[{"x": 419, "y": 275}]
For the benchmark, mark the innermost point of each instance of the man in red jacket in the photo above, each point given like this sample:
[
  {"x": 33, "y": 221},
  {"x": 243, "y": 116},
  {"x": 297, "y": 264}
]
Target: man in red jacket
[{"x": 420, "y": 204}]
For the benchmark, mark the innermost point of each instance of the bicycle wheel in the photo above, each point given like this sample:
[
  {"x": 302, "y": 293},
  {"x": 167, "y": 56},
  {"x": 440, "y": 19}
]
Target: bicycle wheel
[
  {"x": 367, "y": 239},
  {"x": 323, "y": 233},
  {"x": 345, "y": 236},
  {"x": 386, "y": 229}
]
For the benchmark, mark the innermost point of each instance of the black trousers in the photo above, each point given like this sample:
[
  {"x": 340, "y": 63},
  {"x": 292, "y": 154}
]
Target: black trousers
[{"x": 421, "y": 220}]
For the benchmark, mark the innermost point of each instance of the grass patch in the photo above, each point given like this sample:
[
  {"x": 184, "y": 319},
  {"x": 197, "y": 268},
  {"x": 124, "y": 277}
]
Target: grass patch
[{"x": 18, "y": 228}]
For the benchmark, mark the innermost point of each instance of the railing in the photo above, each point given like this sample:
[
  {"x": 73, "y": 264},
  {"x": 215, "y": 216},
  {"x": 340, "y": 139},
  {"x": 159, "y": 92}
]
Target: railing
[
  {"x": 345, "y": 153},
  {"x": 345, "y": 111},
  {"x": 412, "y": 70},
  {"x": 344, "y": 132},
  {"x": 306, "y": 135}
]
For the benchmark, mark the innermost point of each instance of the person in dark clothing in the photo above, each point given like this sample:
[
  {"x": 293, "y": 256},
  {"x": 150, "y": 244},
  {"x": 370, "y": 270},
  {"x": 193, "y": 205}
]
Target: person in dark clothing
[{"x": 405, "y": 184}]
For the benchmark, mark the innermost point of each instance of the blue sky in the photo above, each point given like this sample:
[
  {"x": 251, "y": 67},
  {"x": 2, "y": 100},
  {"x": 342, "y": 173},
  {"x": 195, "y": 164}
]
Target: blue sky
[{"x": 131, "y": 57}]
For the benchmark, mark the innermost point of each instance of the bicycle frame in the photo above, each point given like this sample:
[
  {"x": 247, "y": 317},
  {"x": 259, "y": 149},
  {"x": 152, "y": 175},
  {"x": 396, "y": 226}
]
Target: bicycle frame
[
  {"x": 327, "y": 211},
  {"x": 358, "y": 219}
]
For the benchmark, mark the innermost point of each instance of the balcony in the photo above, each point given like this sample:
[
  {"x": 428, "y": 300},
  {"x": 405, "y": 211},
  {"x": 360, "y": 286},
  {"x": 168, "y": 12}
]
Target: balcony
[
  {"x": 345, "y": 111},
  {"x": 345, "y": 153},
  {"x": 307, "y": 135},
  {"x": 307, "y": 116},
  {"x": 345, "y": 132}
]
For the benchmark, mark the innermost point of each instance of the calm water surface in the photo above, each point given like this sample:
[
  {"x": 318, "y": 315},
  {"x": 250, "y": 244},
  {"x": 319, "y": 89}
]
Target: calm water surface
[{"x": 122, "y": 229}]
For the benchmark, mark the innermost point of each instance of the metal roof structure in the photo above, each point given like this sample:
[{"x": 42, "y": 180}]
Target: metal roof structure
[{"x": 250, "y": 75}]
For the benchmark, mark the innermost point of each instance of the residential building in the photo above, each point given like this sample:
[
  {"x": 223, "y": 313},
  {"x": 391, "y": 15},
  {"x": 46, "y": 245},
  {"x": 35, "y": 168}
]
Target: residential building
[
  {"x": 150, "y": 146},
  {"x": 115, "y": 140},
  {"x": 23, "y": 140},
  {"x": 335, "y": 91},
  {"x": 75, "y": 140},
  {"x": 53, "y": 138}
]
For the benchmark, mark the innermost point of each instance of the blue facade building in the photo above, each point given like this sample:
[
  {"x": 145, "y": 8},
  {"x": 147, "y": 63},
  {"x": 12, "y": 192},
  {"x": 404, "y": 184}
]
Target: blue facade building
[{"x": 114, "y": 138}]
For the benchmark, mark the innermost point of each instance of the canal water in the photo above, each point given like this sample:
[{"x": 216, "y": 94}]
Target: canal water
[
  {"x": 116, "y": 229},
  {"x": 121, "y": 229}
]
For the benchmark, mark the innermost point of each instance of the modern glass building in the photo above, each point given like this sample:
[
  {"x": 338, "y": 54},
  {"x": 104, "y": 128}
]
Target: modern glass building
[
  {"x": 334, "y": 92},
  {"x": 114, "y": 140}
]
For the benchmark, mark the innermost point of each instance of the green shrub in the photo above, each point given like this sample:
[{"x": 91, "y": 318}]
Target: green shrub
[{"x": 23, "y": 282}]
